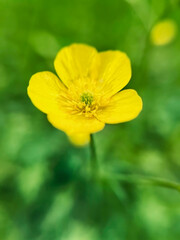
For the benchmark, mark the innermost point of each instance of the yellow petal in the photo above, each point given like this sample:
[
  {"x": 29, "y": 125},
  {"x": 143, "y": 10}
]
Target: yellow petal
[
  {"x": 163, "y": 32},
  {"x": 114, "y": 72},
  {"x": 80, "y": 139},
  {"x": 76, "y": 61},
  {"x": 75, "y": 123},
  {"x": 124, "y": 106},
  {"x": 44, "y": 89}
]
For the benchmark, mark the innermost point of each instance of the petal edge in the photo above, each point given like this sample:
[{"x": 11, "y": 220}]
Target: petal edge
[
  {"x": 124, "y": 106},
  {"x": 43, "y": 90}
]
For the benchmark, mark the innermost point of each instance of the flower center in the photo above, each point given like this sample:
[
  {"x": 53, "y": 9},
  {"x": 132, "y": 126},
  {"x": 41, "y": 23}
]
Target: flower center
[
  {"x": 87, "y": 105},
  {"x": 87, "y": 98}
]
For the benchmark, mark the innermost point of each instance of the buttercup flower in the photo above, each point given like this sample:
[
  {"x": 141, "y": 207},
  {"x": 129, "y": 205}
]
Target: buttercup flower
[
  {"x": 163, "y": 32},
  {"x": 87, "y": 93}
]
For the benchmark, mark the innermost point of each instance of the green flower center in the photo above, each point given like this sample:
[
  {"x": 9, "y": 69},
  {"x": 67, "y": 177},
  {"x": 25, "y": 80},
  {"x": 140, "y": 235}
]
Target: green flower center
[{"x": 87, "y": 98}]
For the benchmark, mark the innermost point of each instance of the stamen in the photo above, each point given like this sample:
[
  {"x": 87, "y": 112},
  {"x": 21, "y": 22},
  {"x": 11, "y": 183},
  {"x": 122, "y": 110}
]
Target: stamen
[
  {"x": 87, "y": 105},
  {"x": 87, "y": 98}
]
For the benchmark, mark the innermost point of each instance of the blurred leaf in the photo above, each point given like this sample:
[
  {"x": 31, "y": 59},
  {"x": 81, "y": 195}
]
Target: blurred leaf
[{"x": 44, "y": 43}]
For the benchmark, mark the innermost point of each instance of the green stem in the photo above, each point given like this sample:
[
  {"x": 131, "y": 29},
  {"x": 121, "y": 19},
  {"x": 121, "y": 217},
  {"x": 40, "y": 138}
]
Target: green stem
[
  {"x": 93, "y": 156},
  {"x": 147, "y": 180}
]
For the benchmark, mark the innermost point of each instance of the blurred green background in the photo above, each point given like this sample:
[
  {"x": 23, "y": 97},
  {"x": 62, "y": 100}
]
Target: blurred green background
[{"x": 45, "y": 193}]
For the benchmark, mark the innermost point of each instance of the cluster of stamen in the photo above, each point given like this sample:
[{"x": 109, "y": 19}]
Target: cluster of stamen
[
  {"x": 87, "y": 104},
  {"x": 87, "y": 98},
  {"x": 79, "y": 101}
]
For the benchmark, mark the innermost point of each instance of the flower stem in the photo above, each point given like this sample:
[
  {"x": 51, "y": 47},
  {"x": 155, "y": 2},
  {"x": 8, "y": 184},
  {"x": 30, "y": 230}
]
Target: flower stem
[{"x": 93, "y": 156}]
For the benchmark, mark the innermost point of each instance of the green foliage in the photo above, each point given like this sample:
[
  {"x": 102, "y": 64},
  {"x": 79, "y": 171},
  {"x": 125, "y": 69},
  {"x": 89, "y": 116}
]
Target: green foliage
[{"x": 45, "y": 189}]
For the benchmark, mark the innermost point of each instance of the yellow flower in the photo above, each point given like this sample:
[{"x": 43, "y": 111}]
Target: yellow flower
[
  {"x": 87, "y": 93},
  {"x": 163, "y": 32},
  {"x": 79, "y": 139}
]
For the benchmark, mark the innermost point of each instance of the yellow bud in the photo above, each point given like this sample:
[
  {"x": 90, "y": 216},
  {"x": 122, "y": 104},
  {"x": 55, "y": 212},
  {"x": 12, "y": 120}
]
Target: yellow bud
[{"x": 163, "y": 32}]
